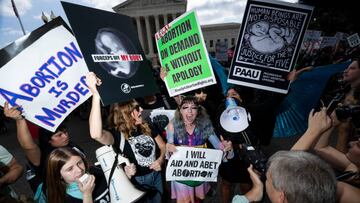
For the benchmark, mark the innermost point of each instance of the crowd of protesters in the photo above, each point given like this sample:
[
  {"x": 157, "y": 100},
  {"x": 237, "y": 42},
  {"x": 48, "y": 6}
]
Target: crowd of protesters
[{"x": 313, "y": 171}]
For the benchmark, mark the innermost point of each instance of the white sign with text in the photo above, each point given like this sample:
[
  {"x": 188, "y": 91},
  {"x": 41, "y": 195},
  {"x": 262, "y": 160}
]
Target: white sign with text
[
  {"x": 46, "y": 79},
  {"x": 196, "y": 164}
]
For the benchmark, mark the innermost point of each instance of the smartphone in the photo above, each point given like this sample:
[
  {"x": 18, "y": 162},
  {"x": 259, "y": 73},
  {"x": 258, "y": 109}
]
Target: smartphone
[
  {"x": 331, "y": 107},
  {"x": 334, "y": 103},
  {"x": 84, "y": 178}
]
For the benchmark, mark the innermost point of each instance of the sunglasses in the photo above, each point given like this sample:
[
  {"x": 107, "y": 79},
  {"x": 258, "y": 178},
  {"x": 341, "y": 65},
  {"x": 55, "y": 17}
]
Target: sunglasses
[{"x": 137, "y": 107}]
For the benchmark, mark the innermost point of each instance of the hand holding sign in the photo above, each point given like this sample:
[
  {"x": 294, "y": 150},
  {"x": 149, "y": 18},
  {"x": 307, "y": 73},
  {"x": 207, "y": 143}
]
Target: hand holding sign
[
  {"x": 12, "y": 112},
  {"x": 92, "y": 81},
  {"x": 163, "y": 73},
  {"x": 170, "y": 148}
]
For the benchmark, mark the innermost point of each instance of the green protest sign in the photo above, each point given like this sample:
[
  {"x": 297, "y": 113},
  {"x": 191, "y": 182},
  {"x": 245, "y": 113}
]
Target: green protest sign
[{"x": 183, "y": 54}]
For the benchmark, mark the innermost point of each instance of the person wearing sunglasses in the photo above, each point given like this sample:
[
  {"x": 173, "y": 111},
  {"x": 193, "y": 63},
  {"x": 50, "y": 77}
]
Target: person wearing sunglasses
[{"x": 144, "y": 147}]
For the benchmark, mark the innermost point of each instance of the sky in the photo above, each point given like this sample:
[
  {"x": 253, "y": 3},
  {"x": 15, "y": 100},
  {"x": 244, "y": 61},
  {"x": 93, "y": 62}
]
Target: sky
[{"x": 208, "y": 11}]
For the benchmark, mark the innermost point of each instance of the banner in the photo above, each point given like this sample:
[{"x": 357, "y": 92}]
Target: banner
[
  {"x": 269, "y": 41},
  {"x": 353, "y": 40},
  {"x": 196, "y": 164},
  {"x": 182, "y": 52},
  {"x": 44, "y": 73},
  {"x": 160, "y": 118},
  {"x": 311, "y": 41},
  {"x": 328, "y": 42},
  {"x": 112, "y": 50},
  {"x": 341, "y": 36}
]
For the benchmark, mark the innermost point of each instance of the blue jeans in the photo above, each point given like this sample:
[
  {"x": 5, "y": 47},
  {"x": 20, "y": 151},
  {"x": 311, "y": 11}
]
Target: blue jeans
[{"x": 153, "y": 182}]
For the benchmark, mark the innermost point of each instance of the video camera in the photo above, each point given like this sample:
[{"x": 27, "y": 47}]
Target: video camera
[
  {"x": 338, "y": 98},
  {"x": 349, "y": 111},
  {"x": 255, "y": 157}
]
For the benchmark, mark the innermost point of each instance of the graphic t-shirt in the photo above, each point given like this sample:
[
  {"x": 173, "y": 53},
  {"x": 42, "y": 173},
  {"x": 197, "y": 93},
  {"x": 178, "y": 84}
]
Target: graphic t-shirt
[{"x": 139, "y": 149}]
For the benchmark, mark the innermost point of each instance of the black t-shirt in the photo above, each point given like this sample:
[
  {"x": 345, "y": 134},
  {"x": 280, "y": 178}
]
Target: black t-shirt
[
  {"x": 140, "y": 149},
  {"x": 101, "y": 192}
]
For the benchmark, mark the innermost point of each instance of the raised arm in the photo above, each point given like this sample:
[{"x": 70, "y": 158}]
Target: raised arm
[
  {"x": 318, "y": 123},
  {"x": 31, "y": 149},
  {"x": 346, "y": 193},
  {"x": 95, "y": 122},
  {"x": 336, "y": 158}
]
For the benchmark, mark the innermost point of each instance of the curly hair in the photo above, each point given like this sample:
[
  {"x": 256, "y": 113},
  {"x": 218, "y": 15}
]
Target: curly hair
[
  {"x": 202, "y": 121},
  {"x": 121, "y": 120}
]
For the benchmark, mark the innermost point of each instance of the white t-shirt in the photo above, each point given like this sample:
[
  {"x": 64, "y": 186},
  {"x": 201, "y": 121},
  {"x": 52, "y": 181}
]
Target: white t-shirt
[
  {"x": 5, "y": 156},
  {"x": 5, "y": 159}
]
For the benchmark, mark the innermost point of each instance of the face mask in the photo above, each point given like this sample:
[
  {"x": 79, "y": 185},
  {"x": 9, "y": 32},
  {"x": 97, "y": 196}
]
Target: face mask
[{"x": 73, "y": 190}]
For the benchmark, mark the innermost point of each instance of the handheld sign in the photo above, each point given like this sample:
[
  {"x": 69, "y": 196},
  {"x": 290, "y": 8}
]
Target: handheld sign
[
  {"x": 269, "y": 41},
  {"x": 44, "y": 73},
  {"x": 353, "y": 40},
  {"x": 112, "y": 50},
  {"x": 182, "y": 52},
  {"x": 196, "y": 164}
]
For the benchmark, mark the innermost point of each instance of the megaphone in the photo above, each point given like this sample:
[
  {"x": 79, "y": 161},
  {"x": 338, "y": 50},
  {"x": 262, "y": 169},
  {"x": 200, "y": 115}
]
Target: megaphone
[
  {"x": 120, "y": 188},
  {"x": 234, "y": 118}
]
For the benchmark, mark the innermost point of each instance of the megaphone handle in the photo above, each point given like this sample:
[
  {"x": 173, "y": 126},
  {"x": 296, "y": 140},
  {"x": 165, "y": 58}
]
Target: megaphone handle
[{"x": 122, "y": 159}]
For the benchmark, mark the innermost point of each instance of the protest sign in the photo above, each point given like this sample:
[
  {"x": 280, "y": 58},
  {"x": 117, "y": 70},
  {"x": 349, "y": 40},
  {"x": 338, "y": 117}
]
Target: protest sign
[
  {"x": 182, "y": 52},
  {"x": 328, "y": 42},
  {"x": 353, "y": 40},
  {"x": 311, "y": 41},
  {"x": 112, "y": 50},
  {"x": 160, "y": 118},
  {"x": 341, "y": 36},
  {"x": 44, "y": 73},
  {"x": 269, "y": 41},
  {"x": 196, "y": 164}
]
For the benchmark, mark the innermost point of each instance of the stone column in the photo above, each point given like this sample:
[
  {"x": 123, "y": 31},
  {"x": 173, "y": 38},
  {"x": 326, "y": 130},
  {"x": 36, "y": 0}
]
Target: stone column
[
  {"x": 157, "y": 23},
  {"x": 139, "y": 29},
  {"x": 173, "y": 15},
  {"x": 166, "y": 20},
  {"x": 149, "y": 36}
]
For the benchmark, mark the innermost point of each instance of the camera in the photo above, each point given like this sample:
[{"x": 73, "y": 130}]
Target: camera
[
  {"x": 257, "y": 158},
  {"x": 349, "y": 111},
  {"x": 340, "y": 95}
]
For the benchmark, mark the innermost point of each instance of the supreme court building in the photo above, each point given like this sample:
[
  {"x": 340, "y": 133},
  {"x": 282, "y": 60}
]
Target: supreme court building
[{"x": 151, "y": 15}]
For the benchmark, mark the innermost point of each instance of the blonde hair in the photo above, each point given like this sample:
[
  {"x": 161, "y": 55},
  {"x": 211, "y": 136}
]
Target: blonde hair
[{"x": 120, "y": 119}]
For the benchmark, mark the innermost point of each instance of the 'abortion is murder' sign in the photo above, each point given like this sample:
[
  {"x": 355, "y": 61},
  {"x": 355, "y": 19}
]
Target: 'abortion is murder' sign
[
  {"x": 44, "y": 73},
  {"x": 269, "y": 41},
  {"x": 183, "y": 54},
  {"x": 197, "y": 164}
]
